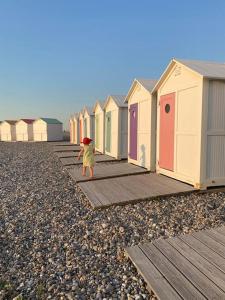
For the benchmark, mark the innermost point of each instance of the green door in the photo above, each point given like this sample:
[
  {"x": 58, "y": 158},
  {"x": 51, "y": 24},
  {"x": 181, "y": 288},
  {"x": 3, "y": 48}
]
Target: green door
[
  {"x": 97, "y": 131},
  {"x": 85, "y": 127},
  {"x": 108, "y": 131}
]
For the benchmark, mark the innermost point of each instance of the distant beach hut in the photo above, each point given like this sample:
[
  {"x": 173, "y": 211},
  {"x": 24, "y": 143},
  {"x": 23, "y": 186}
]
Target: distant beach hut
[
  {"x": 116, "y": 126},
  {"x": 81, "y": 125},
  {"x": 47, "y": 129},
  {"x": 24, "y": 130},
  {"x": 8, "y": 130},
  {"x": 99, "y": 126},
  {"x": 71, "y": 129},
  {"x": 191, "y": 122},
  {"x": 88, "y": 122},
  {"x": 142, "y": 111},
  {"x": 76, "y": 133}
]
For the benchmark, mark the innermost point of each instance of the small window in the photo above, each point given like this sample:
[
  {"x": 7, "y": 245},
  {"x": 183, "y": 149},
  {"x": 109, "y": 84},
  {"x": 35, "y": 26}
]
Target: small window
[{"x": 167, "y": 108}]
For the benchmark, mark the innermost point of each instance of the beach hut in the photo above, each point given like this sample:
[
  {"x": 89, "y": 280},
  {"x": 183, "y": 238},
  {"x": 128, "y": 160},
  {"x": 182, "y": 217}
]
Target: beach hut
[
  {"x": 88, "y": 122},
  {"x": 24, "y": 130},
  {"x": 116, "y": 126},
  {"x": 99, "y": 126},
  {"x": 8, "y": 130},
  {"x": 76, "y": 133},
  {"x": 81, "y": 125},
  {"x": 191, "y": 122},
  {"x": 71, "y": 124},
  {"x": 47, "y": 129},
  {"x": 142, "y": 110}
]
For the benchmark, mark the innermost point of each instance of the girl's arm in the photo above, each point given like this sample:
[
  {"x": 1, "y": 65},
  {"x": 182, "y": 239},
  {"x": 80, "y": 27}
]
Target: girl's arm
[{"x": 80, "y": 153}]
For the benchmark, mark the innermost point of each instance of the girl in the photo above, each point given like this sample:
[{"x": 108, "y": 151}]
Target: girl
[{"x": 88, "y": 152}]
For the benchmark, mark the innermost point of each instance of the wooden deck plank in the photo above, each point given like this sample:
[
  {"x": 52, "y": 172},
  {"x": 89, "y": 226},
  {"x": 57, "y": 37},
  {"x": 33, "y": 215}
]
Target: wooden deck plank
[
  {"x": 211, "y": 242},
  {"x": 208, "y": 269},
  {"x": 68, "y": 161},
  {"x": 66, "y": 148},
  {"x": 70, "y": 154},
  {"x": 179, "y": 282},
  {"x": 103, "y": 171},
  {"x": 202, "y": 282},
  {"x": 218, "y": 235},
  {"x": 134, "y": 188},
  {"x": 205, "y": 251},
  {"x": 63, "y": 143},
  {"x": 155, "y": 281}
]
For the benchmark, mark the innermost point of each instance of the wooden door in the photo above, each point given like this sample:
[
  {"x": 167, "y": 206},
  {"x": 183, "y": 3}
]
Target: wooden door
[
  {"x": 133, "y": 130},
  {"x": 97, "y": 131},
  {"x": 108, "y": 122},
  {"x": 166, "y": 139}
]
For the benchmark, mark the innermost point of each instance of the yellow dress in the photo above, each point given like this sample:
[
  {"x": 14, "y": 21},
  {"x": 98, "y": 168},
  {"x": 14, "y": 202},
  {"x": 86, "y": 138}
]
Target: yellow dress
[{"x": 88, "y": 156}]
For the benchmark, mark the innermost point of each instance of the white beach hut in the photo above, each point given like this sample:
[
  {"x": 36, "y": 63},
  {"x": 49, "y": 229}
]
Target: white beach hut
[
  {"x": 8, "y": 130},
  {"x": 142, "y": 112},
  {"x": 24, "y": 130},
  {"x": 81, "y": 125},
  {"x": 71, "y": 124},
  {"x": 88, "y": 122},
  {"x": 76, "y": 131},
  {"x": 191, "y": 122},
  {"x": 99, "y": 126},
  {"x": 47, "y": 129},
  {"x": 116, "y": 126}
]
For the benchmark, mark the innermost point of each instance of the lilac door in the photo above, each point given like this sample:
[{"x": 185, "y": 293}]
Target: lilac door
[{"x": 133, "y": 131}]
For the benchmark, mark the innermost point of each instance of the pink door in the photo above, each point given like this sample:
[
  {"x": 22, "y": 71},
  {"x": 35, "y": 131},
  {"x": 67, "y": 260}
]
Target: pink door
[{"x": 166, "y": 137}]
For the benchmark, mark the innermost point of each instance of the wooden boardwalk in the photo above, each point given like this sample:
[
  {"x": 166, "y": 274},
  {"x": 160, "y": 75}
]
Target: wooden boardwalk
[
  {"x": 123, "y": 190},
  {"x": 63, "y": 143},
  {"x": 185, "y": 267},
  {"x": 69, "y": 161},
  {"x": 103, "y": 171},
  {"x": 66, "y": 148},
  {"x": 70, "y": 154}
]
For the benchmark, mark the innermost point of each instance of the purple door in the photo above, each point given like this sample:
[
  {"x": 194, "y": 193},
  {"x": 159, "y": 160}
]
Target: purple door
[{"x": 133, "y": 130}]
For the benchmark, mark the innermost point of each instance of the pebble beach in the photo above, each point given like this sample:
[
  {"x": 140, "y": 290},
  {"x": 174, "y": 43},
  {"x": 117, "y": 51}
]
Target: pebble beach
[{"x": 53, "y": 245}]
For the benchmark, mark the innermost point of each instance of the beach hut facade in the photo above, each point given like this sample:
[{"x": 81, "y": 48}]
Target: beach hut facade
[
  {"x": 76, "y": 131},
  {"x": 99, "y": 126},
  {"x": 116, "y": 122},
  {"x": 8, "y": 130},
  {"x": 24, "y": 130},
  {"x": 88, "y": 122},
  {"x": 191, "y": 122},
  {"x": 142, "y": 111},
  {"x": 47, "y": 129},
  {"x": 81, "y": 125},
  {"x": 71, "y": 124}
]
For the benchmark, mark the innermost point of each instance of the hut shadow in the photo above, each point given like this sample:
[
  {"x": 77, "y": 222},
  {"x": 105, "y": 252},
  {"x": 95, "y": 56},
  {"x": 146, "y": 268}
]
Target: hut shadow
[{"x": 143, "y": 156}]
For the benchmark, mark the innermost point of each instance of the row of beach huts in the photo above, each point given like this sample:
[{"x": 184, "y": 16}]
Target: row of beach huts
[
  {"x": 174, "y": 126},
  {"x": 42, "y": 129}
]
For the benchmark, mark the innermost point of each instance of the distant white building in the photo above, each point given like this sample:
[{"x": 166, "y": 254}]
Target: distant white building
[
  {"x": 47, "y": 129},
  {"x": 24, "y": 130},
  {"x": 8, "y": 130}
]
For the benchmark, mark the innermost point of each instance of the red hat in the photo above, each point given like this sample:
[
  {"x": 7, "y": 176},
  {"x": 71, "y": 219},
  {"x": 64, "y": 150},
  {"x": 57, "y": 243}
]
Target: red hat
[{"x": 86, "y": 141}]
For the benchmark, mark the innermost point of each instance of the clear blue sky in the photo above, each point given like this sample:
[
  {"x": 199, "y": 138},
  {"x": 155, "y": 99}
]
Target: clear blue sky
[{"x": 58, "y": 55}]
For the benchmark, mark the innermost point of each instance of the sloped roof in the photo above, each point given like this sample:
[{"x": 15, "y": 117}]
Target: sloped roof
[
  {"x": 101, "y": 103},
  {"x": 207, "y": 69},
  {"x": 51, "y": 121},
  {"x": 11, "y": 122},
  {"x": 28, "y": 121},
  {"x": 118, "y": 99},
  {"x": 88, "y": 109},
  {"x": 148, "y": 84}
]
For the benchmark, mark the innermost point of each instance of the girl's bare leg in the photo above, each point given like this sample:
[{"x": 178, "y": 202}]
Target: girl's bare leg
[
  {"x": 91, "y": 172},
  {"x": 84, "y": 171}
]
